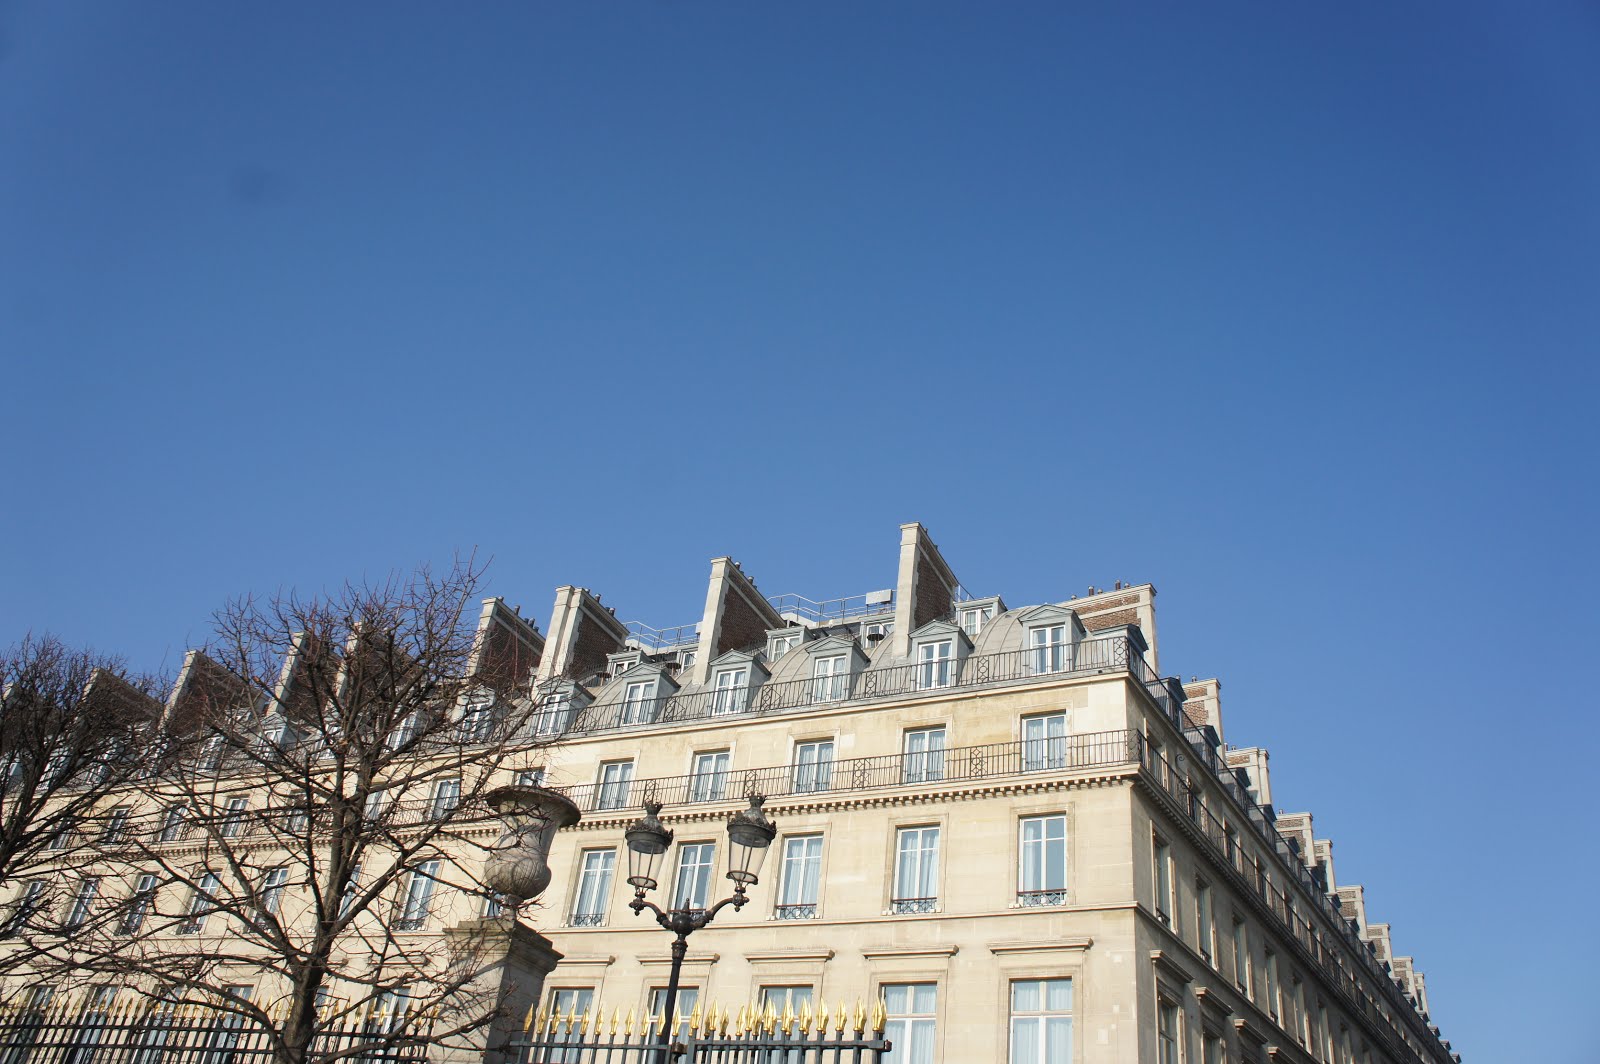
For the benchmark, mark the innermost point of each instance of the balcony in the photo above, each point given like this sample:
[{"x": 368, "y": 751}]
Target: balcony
[
  {"x": 1029, "y": 898},
  {"x": 963, "y": 764},
  {"x": 907, "y": 906},
  {"x": 798, "y": 911},
  {"x": 1032, "y": 665}
]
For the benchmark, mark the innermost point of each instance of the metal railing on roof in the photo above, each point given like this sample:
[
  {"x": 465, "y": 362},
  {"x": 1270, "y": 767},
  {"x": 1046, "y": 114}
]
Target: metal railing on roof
[
  {"x": 1032, "y": 665},
  {"x": 654, "y": 640}
]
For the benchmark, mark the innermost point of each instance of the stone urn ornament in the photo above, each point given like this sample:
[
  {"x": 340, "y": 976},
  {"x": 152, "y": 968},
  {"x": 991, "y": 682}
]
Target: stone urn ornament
[{"x": 518, "y": 865}]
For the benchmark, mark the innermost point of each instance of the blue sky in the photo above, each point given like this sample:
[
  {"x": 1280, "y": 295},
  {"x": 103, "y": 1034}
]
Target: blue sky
[{"x": 1289, "y": 309}]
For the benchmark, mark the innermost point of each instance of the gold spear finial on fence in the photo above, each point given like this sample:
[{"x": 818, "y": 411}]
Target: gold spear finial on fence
[
  {"x": 769, "y": 1019},
  {"x": 572, "y": 1017},
  {"x": 842, "y": 1012},
  {"x": 880, "y": 1016},
  {"x": 740, "y": 1023},
  {"x": 696, "y": 1017},
  {"x": 860, "y": 1024},
  {"x": 805, "y": 1017},
  {"x": 788, "y": 1016},
  {"x": 822, "y": 1016},
  {"x": 631, "y": 1019}
]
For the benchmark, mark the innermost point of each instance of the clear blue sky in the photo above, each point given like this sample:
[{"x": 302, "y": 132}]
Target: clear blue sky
[{"x": 1290, "y": 309}]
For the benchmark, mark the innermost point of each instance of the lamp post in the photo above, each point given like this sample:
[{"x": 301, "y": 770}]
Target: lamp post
[{"x": 750, "y": 835}]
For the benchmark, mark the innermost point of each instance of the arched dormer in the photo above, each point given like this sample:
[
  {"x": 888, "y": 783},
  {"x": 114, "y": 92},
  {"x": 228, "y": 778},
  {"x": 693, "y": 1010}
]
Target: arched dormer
[
  {"x": 939, "y": 649},
  {"x": 1050, "y": 636},
  {"x": 836, "y": 663},
  {"x": 637, "y": 694},
  {"x": 733, "y": 678}
]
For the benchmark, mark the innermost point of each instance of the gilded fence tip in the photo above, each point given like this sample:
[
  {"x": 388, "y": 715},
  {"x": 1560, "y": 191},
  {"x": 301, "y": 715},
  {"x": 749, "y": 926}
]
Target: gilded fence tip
[
  {"x": 880, "y": 1016},
  {"x": 632, "y": 1018},
  {"x": 805, "y": 1017},
  {"x": 860, "y": 1022},
  {"x": 532, "y": 1019},
  {"x": 842, "y": 1011},
  {"x": 769, "y": 1019}
]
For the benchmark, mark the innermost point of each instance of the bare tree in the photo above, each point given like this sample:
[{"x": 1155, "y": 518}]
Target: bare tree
[
  {"x": 320, "y": 823},
  {"x": 74, "y": 729}
]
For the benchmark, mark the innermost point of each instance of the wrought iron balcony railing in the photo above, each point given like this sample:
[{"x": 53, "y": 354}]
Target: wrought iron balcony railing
[
  {"x": 956, "y": 765},
  {"x": 1029, "y": 898},
  {"x": 913, "y": 905},
  {"x": 1032, "y": 665}
]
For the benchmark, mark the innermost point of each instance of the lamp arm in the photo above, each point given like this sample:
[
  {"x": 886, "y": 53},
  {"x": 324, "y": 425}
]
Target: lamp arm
[{"x": 737, "y": 900}]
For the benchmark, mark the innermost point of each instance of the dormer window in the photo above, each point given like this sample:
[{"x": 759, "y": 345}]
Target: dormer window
[
  {"x": 935, "y": 664},
  {"x": 780, "y": 643},
  {"x": 830, "y": 678},
  {"x": 1047, "y": 648},
  {"x": 973, "y": 618},
  {"x": 686, "y": 657},
  {"x": 638, "y": 703},
  {"x": 617, "y": 664},
  {"x": 875, "y": 632},
  {"x": 731, "y": 688}
]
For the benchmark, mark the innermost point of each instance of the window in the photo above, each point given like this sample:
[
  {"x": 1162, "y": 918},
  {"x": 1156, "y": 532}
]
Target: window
[
  {"x": 1167, "y": 1036},
  {"x": 1044, "y": 742},
  {"x": 829, "y": 679},
  {"x": 202, "y": 899},
  {"x": 1241, "y": 956},
  {"x": 779, "y": 645},
  {"x": 530, "y": 777},
  {"x": 140, "y": 903},
  {"x": 638, "y": 702},
  {"x": 1300, "y": 1021},
  {"x": 494, "y": 906},
  {"x": 1047, "y": 647},
  {"x": 912, "y": 1014},
  {"x": 1041, "y": 1021},
  {"x": 82, "y": 901},
  {"x": 1272, "y": 984},
  {"x": 615, "y": 780},
  {"x": 1205, "y": 930},
  {"x": 695, "y": 860},
  {"x": 974, "y": 618},
  {"x": 272, "y": 888},
  {"x": 934, "y": 664},
  {"x": 372, "y": 811},
  {"x": 172, "y": 825},
  {"x": 30, "y": 903},
  {"x": 688, "y": 998},
  {"x": 876, "y": 631},
  {"x": 233, "y": 818},
  {"x": 785, "y": 997},
  {"x": 594, "y": 888},
  {"x": 116, "y": 825},
  {"x": 406, "y": 731},
  {"x": 686, "y": 658},
  {"x": 446, "y": 796},
  {"x": 1161, "y": 866},
  {"x": 419, "y": 895},
  {"x": 924, "y": 755},
  {"x": 730, "y": 691},
  {"x": 573, "y": 1001},
  {"x": 813, "y": 766},
  {"x": 710, "y": 776},
  {"x": 802, "y": 875},
  {"x": 1042, "y": 877},
  {"x": 555, "y": 715},
  {"x": 916, "y": 870},
  {"x": 62, "y": 838},
  {"x": 477, "y": 721},
  {"x": 352, "y": 887},
  {"x": 1212, "y": 1049}
]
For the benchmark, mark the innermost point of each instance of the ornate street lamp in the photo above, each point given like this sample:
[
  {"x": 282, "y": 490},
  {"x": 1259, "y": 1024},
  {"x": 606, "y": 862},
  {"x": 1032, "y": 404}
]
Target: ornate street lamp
[{"x": 750, "y": 835}]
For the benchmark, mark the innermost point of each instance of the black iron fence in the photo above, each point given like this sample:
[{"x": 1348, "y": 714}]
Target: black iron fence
[
  {"x": 747, "y": 1037},
  {"x": 159, "y": 1034}
]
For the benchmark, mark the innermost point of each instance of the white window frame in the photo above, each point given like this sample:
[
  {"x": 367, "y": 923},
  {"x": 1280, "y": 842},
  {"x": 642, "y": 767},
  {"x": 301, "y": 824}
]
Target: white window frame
[
  {"x": 1042, "y": 880},
  {"x": 615, "y": 782},
  {"x": 82, "y": 901},
  {"x": 923, "y": 754},
  {"x": 912, "y": 1024},
  {"x": 812, "y": 771},
  {"x": 1161, "y": 867},
  {"x": 830, "y": 678},
  {"x": 730, "y": 690},
  {"x": 691, "y": 884},
  {"x": 1044, "y": 1019},
  {"x": 445, "y": 798},
  {"x": 638, "y": 702},
  {"x": 417, "y": 907},
  {"x": 916, "y": 870},
  {"x": 273, "y": 887},
  {"x": 709, "y": 780},
  {"x": 1044, "y": 741},
  {"x": 140, "y": 902},
  {"x": 801, "y": 885},
  {"x": 1048, "y": 648},
  {"x": 936, "y": 664},
  {"x": 779, "y": 645},
  {"x": 973, "y": 619},
  {"x": 596, "y": 870},
  {"x": 233, "y": 818}
]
